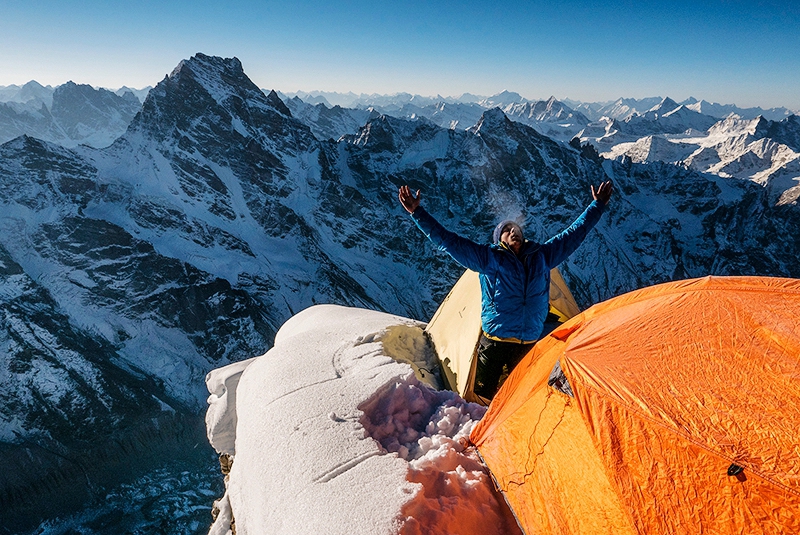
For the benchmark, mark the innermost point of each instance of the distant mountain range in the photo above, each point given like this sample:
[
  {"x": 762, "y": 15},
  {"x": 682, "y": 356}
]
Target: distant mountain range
[
  {"x": 764, "y": 151},
  {"x": 69, "y": 114},
  {"x": 129, "y": 271},
  {"x": 621, "y": 108},
  {"x": 648, "y": 130}
]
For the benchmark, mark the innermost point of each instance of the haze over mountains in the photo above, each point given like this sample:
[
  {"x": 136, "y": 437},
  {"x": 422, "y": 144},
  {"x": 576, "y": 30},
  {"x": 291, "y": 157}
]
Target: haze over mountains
[{"x": 130, "y": 269}]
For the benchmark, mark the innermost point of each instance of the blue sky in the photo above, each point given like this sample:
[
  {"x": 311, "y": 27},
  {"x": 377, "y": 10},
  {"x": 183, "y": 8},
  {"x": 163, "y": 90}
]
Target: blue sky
[{"x": 747, "y": 53}]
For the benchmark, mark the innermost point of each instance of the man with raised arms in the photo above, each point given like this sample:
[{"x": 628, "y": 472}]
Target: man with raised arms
[{"x": 514, "y": 275}]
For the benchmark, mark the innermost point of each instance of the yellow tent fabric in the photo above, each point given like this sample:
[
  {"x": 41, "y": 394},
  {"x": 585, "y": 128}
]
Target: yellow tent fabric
[
  {"x": 455, "y": 328},
  {"x": 686, "y": 415},
  {"x": 562, "y": 303}
]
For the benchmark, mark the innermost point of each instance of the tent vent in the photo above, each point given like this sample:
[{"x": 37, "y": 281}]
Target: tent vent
[{"x": 559, "y": 381}]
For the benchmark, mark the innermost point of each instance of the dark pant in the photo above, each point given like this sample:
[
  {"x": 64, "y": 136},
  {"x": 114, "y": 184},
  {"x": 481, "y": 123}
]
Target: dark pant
[{"x": 493, "y": 356}]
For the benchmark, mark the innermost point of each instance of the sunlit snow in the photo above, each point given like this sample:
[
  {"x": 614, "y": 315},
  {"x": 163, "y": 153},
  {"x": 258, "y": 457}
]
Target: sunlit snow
[{"x": 332, "y": 432}]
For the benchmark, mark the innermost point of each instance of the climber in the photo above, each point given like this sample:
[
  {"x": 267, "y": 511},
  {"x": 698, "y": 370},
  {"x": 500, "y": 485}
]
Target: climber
[{"x": 515, "y": 280}]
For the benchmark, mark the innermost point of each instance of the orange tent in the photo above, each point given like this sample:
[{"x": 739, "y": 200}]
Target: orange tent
[{"x": 685, "y": 416}]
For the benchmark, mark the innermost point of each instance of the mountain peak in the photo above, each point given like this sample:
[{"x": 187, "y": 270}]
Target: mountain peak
[
  {"x": 201, "y": 63},
  {"x": 665, "y": 105},
  {"x": 204, "y": 83},
  {"x": 222, "y": 78},
  {"x": 492, "y": 119},
  {"x": 275, "y": 101}
]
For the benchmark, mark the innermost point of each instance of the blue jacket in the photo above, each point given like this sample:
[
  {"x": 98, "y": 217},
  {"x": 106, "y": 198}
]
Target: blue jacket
[{"x": 515, "y": 291}]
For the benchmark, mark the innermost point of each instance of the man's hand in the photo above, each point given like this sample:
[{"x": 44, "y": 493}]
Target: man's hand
[
  {"x": 408, "y": 200},
  {"x": 603, "y": 192}
]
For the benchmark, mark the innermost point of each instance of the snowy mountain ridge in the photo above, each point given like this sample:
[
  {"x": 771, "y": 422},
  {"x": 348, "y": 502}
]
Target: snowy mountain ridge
[
  {"x": 129, "y": 272},
  {"x": 69, "y": 115}
]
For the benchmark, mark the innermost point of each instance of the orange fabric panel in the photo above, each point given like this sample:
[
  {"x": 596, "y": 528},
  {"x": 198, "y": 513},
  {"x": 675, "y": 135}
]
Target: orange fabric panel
[
  {"x": 674, "y": 383},
  {"x": 529, "y": 376},
  {"x": 550, "y": 472},
  {"x": 543, "y": 458},
  {"x": 669, "y": 484},
  {"x": 719, "y": 365}
]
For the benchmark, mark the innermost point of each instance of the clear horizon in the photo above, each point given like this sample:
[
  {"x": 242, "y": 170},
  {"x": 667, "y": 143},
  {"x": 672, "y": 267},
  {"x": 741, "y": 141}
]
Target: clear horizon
[{"x": 729, "y": 52}]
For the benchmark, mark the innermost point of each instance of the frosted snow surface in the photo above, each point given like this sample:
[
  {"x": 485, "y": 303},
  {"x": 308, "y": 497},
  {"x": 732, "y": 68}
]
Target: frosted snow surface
[{"x": 332, "y": 432}]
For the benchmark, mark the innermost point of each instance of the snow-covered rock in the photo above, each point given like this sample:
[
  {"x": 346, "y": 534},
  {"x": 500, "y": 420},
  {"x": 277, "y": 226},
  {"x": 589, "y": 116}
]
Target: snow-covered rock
[{"x": 334, "y": 434}]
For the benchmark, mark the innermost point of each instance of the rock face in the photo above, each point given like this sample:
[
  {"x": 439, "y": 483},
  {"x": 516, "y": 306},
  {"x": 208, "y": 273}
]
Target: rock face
[{"x": 127, "y": 273}]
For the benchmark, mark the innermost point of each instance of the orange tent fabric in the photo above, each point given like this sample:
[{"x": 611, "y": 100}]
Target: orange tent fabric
[{"x": 675, "y": 386}]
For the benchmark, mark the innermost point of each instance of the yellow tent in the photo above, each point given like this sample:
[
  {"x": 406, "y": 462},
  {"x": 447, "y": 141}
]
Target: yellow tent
[{"x": 456, "y": 327}]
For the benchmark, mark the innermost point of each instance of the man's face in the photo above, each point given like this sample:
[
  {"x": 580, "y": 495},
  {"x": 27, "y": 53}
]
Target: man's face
[{"x": 512, "y": 236}]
